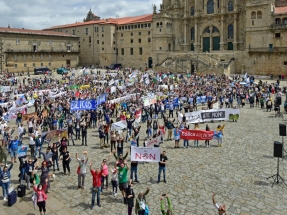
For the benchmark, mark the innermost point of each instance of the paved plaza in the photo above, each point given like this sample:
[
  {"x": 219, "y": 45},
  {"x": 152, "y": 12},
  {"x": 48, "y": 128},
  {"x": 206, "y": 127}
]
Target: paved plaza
[{"x": 236, "y": 172}]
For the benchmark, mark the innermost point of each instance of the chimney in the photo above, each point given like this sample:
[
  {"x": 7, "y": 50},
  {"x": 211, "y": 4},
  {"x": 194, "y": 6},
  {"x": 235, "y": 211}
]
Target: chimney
[{"x": 8, "y": 25}]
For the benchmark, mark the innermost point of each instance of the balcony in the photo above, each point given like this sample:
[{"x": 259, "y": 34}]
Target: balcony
[
  {"x": 267, "y": 50},
  {"x": 11, "y": 50},
  {"x": 278, "y": 27}
]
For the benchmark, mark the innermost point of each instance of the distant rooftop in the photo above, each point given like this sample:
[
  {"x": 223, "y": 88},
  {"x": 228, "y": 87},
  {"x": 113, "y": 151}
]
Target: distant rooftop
[
  {"x": 280, "y": 10},
  {"x": 33, "y": 32}
]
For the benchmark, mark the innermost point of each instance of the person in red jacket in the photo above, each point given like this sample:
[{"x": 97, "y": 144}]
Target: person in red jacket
[
  {"x": 41, "y": 196},
  {"x": 97, "y": 178}
]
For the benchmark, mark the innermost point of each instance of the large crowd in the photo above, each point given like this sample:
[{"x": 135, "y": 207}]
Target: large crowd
[{"x": 41, "y": 109}]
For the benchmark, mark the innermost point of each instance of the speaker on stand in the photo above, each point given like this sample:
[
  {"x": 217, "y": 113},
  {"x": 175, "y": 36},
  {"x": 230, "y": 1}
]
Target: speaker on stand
[
  {"x": 278, "y": 153},
  {"x": 283, "y": 133}
]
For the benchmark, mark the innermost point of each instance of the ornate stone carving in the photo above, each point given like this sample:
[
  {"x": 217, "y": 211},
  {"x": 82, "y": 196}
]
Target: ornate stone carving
[{"x": 180, "y": 40}]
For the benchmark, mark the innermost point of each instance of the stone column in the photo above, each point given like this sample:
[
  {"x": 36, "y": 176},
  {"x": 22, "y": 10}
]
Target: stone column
[
  {"x": 215, "y": 6},
  {"x": 211, "y": 42},
  {"x": 235, "y": 33},
  {"x": 196, "y": 44},
  {"x": 222, "y": 6},
  {"x": 195, "y": 8},
  {"x": 222, "y": 33}
]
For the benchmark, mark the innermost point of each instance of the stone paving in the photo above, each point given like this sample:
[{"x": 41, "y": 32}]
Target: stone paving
[{"x": 236, "y": 172}]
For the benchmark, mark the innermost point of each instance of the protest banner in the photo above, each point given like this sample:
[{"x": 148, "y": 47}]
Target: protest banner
[
  {"x": 85, "y": 87},
  {"x": 22, "y": 151},
  {"x": 27, "y": 116},
  {"x": 4, "y": 89},
  {"x": 145, "y": 154},
  {"x": 196, "y": 135},
  {"x": 208, "y": 115},
  {"x": 54, "y": 135},
  {"x": 153, "y": 142},
  {"x": 83, "y": 105},
  {"x": 119, "y": 125}
]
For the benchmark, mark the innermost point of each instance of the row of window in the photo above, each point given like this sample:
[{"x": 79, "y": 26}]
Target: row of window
[
  {"x": 257, "y": 15},
  {"x": 33, "y": 65},
  {"x": 279, "y": 21},
  {"x": 18, "y": 42},
  {"x": 33, "y": 57},
  {"x": 129, "y": 27},
  {"x": 214, "y": 30},
  {"x": 131, "y": 51},
  {"x": 210, "y": 7}
]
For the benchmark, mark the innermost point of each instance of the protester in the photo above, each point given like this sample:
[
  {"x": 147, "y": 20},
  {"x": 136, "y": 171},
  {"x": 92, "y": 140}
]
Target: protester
[
  {"x": 5, "y": 177},
  {"x": 221, "y": 209},
  {"x": 65, "y": 155},
  {"x": 82, "y": 169},
  {"x": 141, "y": 203},
  {"x": 130, "y": 197},
  {"x": 96, "y": 190},
  {"x": 169, "y": 210},
  {"x": 41, "y": 195},
  {"x": 162, "y": 166}
]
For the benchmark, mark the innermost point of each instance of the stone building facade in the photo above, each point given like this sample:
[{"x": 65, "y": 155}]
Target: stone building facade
[
  {"x": 24, "y": 50},
  {"x": 231, "y": 36},
  {"x": 126, "y": 40}
]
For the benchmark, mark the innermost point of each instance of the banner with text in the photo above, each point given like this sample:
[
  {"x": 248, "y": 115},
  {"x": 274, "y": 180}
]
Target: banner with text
[
  {"x": 196, "y": 135},
  {"x": 145, "y": 154},
  {"x": 83, "y": 105},
  {"x": 153, "y": 142},
  {"x": 208, "y": 115}
]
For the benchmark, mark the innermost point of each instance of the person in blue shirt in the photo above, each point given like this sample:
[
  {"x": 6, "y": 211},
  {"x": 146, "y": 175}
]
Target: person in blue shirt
[
  {"x": 5, "y": 177},
  {"x": 13, "y": 149}
]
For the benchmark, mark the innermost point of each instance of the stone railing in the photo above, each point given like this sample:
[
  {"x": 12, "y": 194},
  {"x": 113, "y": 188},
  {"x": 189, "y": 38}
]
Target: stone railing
[
  {"x": 278, "y": 26},
  {"x": 274, "y": 49},
  {"x": 39, "y": 50}
]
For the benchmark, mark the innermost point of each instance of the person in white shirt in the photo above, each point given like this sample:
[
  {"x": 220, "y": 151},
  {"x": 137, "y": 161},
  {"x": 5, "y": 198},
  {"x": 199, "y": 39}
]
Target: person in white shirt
[
  {"x": 20, "y": 131},
  {"x": 221, "y": 209},
  {"x": 82, "y": 169},
  {"x": 32, "y": 145}
]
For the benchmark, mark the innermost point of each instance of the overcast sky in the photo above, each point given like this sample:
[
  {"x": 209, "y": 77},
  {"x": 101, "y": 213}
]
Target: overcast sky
[{"x": 40, "y": 14}]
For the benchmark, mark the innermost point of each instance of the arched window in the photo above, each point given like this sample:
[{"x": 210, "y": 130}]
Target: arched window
[
  {"x": 230, "y": 6},
  {"x": 160, "y": 24},
  {"x": 192, "y": 11},
  {"x": 230, "y": 31},
  {"x": 157, "y": 25},
  {"x": 169, "y": 47},
  {"x": 207, "y": 31},
  {"x": 253, "y": 15},
  {"x": 284, "y": 21},
  {"x": 210, "y": 7},
  {"x": 215, "y": 29},
  {"x": 259, "y": 15},
  {"x": 192, "y": 34}
]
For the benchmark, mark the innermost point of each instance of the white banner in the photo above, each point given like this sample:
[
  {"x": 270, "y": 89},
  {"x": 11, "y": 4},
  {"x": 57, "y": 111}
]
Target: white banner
[
  {"x": 113, "y": 89},
  {"x": 145, "y": 154},
  {"x": 111, "y": 82},
  {"x": 153, "y": 142},
  {"x": 119, "y": 125},
  {"x": 4, "y": 89},
  {"x": 127, "y": 97},
  {"x": 208, "y": 115}
]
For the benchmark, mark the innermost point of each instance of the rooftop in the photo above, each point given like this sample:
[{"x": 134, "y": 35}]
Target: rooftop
[
  {"x": 33, "y": 32},
  {"x": 116, "y": 21},
  {"x": 279, "y": 10}
]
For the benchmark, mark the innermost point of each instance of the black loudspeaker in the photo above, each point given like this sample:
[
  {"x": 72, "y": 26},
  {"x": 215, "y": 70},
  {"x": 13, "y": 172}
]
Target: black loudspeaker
[
  {"x": 278, "y": 100},
  {"x": 278, "y": 149},
  {"x": 282, "y": 130}
]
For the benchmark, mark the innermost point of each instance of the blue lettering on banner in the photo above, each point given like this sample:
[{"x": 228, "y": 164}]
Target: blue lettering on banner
[{"x": 83, "y": 105}]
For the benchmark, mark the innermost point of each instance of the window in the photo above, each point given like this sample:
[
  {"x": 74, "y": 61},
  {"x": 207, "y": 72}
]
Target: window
[
  {"x": 148, "y": 25},
  {"x": 50, "y": 42},
  {"x": 157, "y": 25},
  {"x": 25, "y": 65},
  {"x": 87, "y": 31},
  {"x": 140, "y": 40},
  {"x": 98, "y": 42},
  {"x": 148, "y": 32},
  {"x": 132, "y": 41},
  {"x": 277, "y": 35},
  {"x": 131, "y": 51},
  {"x": 15, "y": 57},
  {"x": 90, "y": 39},
  {"x": 142, "y": 25},
  {"x": 122, "y": 35},
  {"x": 49, "y": 56},
  {"x": 192, "y": 34},
  {"x": 253, "y": 15},
  {"x": 95, "y": 29},
  {"x": 33, "y": 57},
  {"x": 259, "y": 15},
  {"x": 278, "y": 21},
  {"x": 284, "y": 21},
  {"x": 285, "y": 63},
  {"x": 230, "y": 31},
  {"x": 210, "y": 7},
  {"x": 192, "y": 11},
  {"x": 207, "y": 31},
  {"x": 123, "y": 51},
  {"x": 41, "y": 56},
  {"x": 230, "y": 6},
  {"x": 140, "y": 33},
  {"x": 15, "y": 65},
  {"x": 102, "y": 35},
  {"x": 34, "y": 64},
  {"x": 148, "y": 39},
  {"x": 252, "y": 22},
  {"x": 24, "y": 57},
  {"x": 129, "y": 27},
  {"x": 34, "y": 48},
  {"x": 41, "y": 64},
  {"x": 159, "y": 48},
  {"x": 140, "y": 51},
  {"x": 103, "y": 43},
  {"x": 50, "y": 64},
  {"x": 68, "y": 48},
  {"x": 17, "y": 41},
  {"x": 214, "y": 30},
  {"x": 67, "y": 31},
  {"x": 103, "y": 29},
  {"x": 132, "y": 34}
]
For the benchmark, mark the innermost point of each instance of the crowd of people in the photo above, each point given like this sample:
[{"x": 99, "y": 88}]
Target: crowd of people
[{"x": 51, "y": 109}]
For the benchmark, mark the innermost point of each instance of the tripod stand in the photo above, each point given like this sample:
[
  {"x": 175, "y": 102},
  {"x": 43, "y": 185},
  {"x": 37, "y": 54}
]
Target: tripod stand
[
  {"x": 283, "y": 149},
  {"x": 277, "y": 178}
]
